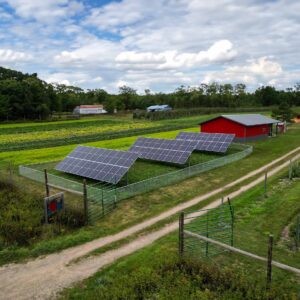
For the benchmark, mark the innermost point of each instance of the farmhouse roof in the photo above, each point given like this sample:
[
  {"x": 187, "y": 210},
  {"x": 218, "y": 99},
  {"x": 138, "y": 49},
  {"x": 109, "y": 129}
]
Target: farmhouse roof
[
  {"x": 247, "y": 119},
  {"x": 91, "y": 106}
]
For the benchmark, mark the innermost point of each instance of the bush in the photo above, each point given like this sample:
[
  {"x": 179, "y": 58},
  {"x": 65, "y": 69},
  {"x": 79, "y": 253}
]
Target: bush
[{"x": 20, "y": 216}]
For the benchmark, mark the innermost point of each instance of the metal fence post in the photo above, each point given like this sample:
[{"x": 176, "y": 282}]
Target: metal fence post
[
  {"x": 269, "y": 262},
  {"x": 181, "y": 234},
  {"x": 46, "y": 183},
  {"x": 85, "y": 202}
]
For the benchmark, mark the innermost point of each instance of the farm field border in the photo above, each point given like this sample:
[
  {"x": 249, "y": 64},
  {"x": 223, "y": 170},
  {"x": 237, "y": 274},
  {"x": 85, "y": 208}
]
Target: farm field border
[{"x": 59, "y": 272}]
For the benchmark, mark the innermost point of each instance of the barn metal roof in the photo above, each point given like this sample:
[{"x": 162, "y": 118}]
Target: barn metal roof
[{"x": 247, "y": 119}]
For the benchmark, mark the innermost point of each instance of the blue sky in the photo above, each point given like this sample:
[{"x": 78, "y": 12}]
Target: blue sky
[{"x": 157, "y": 44}]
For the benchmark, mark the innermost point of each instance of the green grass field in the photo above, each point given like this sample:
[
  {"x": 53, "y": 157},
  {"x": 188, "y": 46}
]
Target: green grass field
[{"x": 156, "y": 272}]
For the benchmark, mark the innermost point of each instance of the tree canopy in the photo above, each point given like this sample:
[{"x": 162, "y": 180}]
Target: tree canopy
[{"x": 25, "y": 96}]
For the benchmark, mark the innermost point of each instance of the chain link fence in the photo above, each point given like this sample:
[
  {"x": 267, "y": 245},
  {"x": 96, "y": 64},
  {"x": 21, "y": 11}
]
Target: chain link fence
[{"x": 102, "y": 199}]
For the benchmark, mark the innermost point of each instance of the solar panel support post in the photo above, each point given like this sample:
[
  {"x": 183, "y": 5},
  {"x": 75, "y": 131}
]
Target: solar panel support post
[
  {"x": 85, "y": 202},
  {"x": 46, "y": 183}
]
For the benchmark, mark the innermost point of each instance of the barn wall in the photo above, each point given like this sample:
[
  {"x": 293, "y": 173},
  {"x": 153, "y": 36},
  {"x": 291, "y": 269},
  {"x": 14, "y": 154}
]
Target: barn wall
[
  {"x": 222, "y": 125},
  {"x": 258, "y": 130}
]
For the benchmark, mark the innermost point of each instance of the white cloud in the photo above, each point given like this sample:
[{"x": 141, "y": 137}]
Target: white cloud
[
  {"x": 93, "y": 53},
  {"x": 45, "y": 10},
  {"x": 73, "y": 78},
  {"x": 8, "y": 56},
  {"x": 220, "y": 51},
  {"x": 261, "y": 71}
]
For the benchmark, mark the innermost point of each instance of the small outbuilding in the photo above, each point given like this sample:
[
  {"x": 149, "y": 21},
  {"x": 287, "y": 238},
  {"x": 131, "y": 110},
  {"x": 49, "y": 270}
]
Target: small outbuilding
[
  {"x": 163, "y": 107},
  {"x": 246, "y": 127},
  {"x": 89, "y": 109}
]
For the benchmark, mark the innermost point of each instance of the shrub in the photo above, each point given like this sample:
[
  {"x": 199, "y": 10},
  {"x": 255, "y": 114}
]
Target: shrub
[{"x": 20, "y": 216}]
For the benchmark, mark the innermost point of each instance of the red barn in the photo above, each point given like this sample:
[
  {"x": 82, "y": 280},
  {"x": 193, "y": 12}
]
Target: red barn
[{"x": 246, "y": 127}]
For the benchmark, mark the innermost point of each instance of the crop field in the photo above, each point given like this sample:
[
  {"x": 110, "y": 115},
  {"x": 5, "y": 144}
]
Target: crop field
[
  {"x": 41, "y": 135},
  {"x": 156, "y": 270}
]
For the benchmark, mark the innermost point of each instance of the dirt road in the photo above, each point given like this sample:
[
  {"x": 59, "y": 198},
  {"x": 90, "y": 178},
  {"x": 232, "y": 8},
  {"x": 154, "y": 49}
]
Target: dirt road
[{"x": 43, "y": 278}]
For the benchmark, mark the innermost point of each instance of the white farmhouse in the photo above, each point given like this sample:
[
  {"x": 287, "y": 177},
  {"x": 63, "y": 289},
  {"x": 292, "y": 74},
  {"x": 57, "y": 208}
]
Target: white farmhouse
[{"x": 89, "y": 110}]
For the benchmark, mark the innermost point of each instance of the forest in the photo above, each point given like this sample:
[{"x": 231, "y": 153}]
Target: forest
[{"x": 25, "y": 96}]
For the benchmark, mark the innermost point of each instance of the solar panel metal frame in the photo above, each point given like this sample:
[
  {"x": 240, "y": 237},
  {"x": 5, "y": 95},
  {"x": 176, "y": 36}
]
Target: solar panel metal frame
[
  {"x": 164, "y": 150},
  {"x": 211, "y": 142},
  {"x": 98, "y": 163}
]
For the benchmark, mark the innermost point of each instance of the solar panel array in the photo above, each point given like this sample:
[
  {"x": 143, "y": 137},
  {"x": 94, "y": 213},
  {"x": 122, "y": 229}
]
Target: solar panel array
[
  {"x": 211, "y": 142},
  {"x": 97, "y": 163},
  {"x": 173, "y": 151}
]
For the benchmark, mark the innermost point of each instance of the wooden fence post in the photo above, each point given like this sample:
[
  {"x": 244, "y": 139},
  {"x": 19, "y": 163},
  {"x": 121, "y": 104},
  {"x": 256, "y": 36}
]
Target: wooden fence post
[
  {"x": 269, "y": 262},
  {"x": 266, "y": 179},
  {"x": 232, "y": 219},
  {"x": 181, "y": 234},
  {"x": 46, "y": 183},
  {"x": 10, "y": 170},
  {"x": 297, "y": 232},
  {"x": 85, "y": 202},
  {"x": 290, "y": 170},
  {"x": 102, "y": 201}
]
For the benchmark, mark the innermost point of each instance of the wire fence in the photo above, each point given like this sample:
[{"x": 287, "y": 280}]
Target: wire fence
[
  {"x": 102, "y": 199},
  {"x": 216, "y": 224}
]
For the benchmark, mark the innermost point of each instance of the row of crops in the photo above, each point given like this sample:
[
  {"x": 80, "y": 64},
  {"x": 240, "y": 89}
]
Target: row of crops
[{"x": 74, "y": 136}]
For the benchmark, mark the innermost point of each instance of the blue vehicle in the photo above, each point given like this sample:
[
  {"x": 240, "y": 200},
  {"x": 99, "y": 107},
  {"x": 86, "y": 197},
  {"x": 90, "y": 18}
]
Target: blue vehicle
[{"x": 163, "y": 107}]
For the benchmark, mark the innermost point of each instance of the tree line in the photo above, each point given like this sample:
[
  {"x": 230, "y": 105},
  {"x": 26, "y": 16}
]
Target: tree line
[{"x": 25, "y": 96}]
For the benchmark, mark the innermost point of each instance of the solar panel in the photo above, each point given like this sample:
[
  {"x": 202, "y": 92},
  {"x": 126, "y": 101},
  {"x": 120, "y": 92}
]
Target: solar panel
[
  {"x": 97, "y": 163},
  {"x": 212, "y": 142},
  {"x": 173, "y": 151}
]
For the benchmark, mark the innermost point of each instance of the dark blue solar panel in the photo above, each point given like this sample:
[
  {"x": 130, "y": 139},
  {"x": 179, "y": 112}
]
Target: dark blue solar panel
[
  {"x": 211, "y": 142},
  {"x": 174, "y": 151},
  {"x": 97, "y": 163}
]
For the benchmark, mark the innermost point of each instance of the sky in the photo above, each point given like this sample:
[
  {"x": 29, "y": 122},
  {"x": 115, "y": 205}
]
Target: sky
[{"x": 157, "y": 45}]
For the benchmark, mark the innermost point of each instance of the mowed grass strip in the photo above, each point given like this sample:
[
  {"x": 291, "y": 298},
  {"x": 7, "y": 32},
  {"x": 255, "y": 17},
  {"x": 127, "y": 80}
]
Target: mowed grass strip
[
  {"x": 256, "y": 217},
  {"x": 139, "y": 208}
]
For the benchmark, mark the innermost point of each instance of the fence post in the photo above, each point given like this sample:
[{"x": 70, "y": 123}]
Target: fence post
[
  {"x": 269, "y": 262},
  {"x": 181, "y": 234},
  {"x": 265, "y": 187},
  {"x": 232, "y": 219},
  {"x": 297, "y": 232},
  {"x": 206, "y": 245},
  {"x": 10, "y": 170},
  {"x": 46, "y": 183},
  {"x": 85, "y": 202},
  {"x": 102, "y": 201},
  {"x": 290, "y": 171}
]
